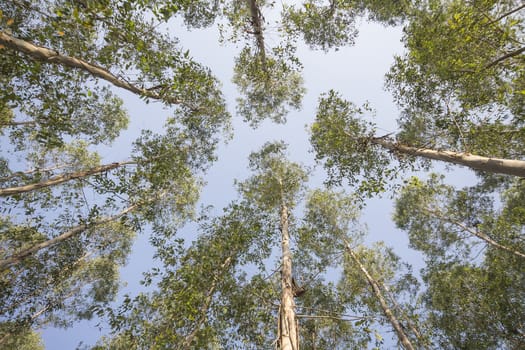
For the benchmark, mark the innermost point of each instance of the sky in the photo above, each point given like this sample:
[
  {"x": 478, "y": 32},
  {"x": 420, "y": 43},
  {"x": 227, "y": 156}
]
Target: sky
[{"x": 357, "y": 72}]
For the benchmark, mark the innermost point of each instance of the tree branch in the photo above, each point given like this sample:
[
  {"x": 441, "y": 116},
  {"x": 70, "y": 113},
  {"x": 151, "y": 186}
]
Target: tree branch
[
  {"x": 507, "y": 14},
  {"x": 18, "y": 257},
  {"x": 504, "y": 57},
  {"x": 47, "y": 55},
  {"x": 186, "y": 344},
  {"x": 59, "y": 179},
  {"x": 473, "y": 232}
]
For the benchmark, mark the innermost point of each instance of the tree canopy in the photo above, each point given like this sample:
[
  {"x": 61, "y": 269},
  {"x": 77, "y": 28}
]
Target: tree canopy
[{"x": 285, "y": 264}]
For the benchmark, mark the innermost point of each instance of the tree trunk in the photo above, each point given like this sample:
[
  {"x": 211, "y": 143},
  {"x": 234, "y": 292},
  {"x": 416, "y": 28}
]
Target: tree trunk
[
  {"x": 486, "y": 164},
  {"x": 18, "y": 257},
  {"x": 405, "y": 316},
  {"x": 403, "y": 339},
  {"x": 258, "y": 31},
  {"x": 288, "y": 326},
  {"x": 59, "y": 179},
  {"x": 46, "y": 55}
]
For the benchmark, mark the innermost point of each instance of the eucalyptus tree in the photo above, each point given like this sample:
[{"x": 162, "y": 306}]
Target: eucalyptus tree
[
  {"x": 475, "y": 260},
  {"x": 229, "y": 286},
  {"x": 460, "y": 83},
  {"x": 202, "y": 295},
  {"x": 372, "y": 279},
  {"x": 460, "y": 89},
  {"x": 62, "y": 64},
  {"x": 275, "y": 187}
]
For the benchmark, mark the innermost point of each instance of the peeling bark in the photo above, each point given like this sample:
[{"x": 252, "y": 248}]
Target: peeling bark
[
  {"x": 256, "y": 20},
  {"x": 288, "y": 326}
]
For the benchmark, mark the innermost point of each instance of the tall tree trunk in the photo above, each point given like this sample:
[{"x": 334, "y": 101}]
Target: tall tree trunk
[
  {"x": 44, "y": 54},
  {"x": 403, "y": 339},
  {"x": 59, "y": 179},
  {"x": 288, "y": 326},
  {"x": 491, "y": 165},
  {"x": 258, "y": 31},
  {"x": 18, "y": 257}
]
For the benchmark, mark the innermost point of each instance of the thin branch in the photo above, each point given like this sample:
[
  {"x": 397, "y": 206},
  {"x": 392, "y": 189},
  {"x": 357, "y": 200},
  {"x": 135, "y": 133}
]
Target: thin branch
[
  {"x": 353, "y": 319},
  {"x": 18, "y": 257},
  {"x": 21, "y": 123},
  {"x": 186, "y": 344},
  {"x": 504, "y": 57},
  {"x": 507, "y": 14},
  {"x": 476, "y": 233},
  {"x": 59, "y": 179},
  {"x": 32, "y": 171}
]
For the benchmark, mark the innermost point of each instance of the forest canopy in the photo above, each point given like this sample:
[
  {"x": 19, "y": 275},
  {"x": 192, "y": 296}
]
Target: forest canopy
[{"x": 287, "y": 262}]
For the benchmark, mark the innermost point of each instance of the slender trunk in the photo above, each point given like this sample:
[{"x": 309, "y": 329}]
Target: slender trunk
[
  {"x": 504, "y": 57},
  {"x": 186, "y": 344},
  {"x": 508, "y": 14},
  {"x": 258, "y": 30},
  {"x": 59, "y": 179},
  {"x": 288, "y": 326},
  {"x": 487, "y": 164},
  {"x": 19, "y": 123},
  {"x": 44, "y": 54},
  {"x": 403, "y": 339},
  {"x": 18, "y": 257},
  {"x": 405, "y": 316},
  {"x": 476, "y": 233}
]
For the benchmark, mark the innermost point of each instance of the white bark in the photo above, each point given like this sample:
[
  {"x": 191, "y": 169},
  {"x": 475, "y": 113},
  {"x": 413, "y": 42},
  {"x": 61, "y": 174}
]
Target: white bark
[
  {"x": 288, "y": 333},
  {"x": 487, "y": 164}
]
